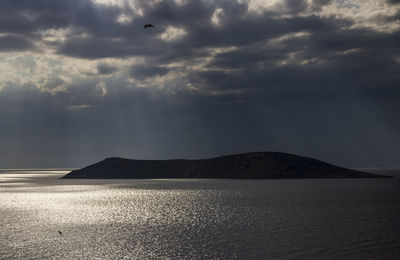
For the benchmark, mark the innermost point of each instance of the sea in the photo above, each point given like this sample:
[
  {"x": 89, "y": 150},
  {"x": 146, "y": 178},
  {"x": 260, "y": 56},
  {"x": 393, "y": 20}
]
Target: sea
[{"x": 45, "y": 217}]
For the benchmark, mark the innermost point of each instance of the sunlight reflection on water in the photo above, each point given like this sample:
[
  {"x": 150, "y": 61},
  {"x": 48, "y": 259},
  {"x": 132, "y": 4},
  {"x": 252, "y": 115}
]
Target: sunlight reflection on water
[{"x": 110, "y": 219}]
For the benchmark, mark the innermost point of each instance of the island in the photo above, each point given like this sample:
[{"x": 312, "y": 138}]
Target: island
[{"x": 257, "y": 165}]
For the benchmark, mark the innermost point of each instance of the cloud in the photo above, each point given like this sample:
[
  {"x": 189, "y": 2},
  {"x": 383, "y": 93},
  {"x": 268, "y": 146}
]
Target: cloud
[
  {"x": 101, "y": 87},
  {"x": 144, "y": 72},
  {"x": 106, "y": 69},
  {"x": 78, "y": 107},
  {"x": 15, "y": 43},
  {"x": 172, "y": 34},
  {"x": 316, "y": 5},
  {"x": 296, "y": 6},
  {"x": 212, "y": 77}
]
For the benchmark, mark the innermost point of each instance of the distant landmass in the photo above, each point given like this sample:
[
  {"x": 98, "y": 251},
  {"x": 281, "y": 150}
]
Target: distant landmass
[{"x": 258, "y": 165}]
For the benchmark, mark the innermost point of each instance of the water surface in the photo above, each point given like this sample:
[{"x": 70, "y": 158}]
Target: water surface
[{"x": 137, "y": 219}]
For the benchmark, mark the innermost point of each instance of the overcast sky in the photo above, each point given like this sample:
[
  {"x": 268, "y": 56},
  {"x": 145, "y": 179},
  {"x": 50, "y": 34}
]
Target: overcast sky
[{"x": 82, "y": 80}]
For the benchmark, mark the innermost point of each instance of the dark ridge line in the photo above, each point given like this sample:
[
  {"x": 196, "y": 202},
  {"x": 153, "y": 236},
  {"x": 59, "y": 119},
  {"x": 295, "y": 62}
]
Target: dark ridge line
[{"x": 256, "y": 165}]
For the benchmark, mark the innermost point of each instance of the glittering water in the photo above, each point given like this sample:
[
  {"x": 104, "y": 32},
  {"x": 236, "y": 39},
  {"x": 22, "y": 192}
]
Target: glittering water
[{"x": 142, "y": 219}]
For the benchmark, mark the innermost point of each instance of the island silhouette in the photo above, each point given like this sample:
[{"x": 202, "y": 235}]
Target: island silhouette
[{"x": 256, "y": 165}]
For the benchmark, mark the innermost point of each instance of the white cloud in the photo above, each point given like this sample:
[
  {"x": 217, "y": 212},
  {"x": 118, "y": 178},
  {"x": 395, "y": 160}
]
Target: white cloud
[
  {"x": 172, "y": 33},
  {"x": 124, "y": 19},
  {"x": 216, "y": 17},
  {"x": 78, "y": 107},
  {"x": 259, "y": 6},
  {"x": 101, "y": 88},
  {"x": 363, "y": 13},
  {"x": 181, "y": 2}
]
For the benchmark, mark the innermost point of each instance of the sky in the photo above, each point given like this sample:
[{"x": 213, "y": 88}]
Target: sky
[{"x": 82, "y": 80}]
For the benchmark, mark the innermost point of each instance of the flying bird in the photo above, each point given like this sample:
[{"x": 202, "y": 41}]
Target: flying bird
[
  {"x": 59, "y": 232},
  {"x": 148, "y": 26}
]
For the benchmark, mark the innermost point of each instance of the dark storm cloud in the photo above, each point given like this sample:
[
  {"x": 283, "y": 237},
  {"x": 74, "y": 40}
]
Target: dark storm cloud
[
  {"x": 26, "y": 19},
  {"x": 284, "y": 80},
  {"x": 15, "y": 43},
  {"x": 14, "y": 23},
  {"x": 318, "y": 4},
  {"x": 111, "y": 39},
  {"x": 296, "y": 6},
  {"x": 360, "y": 56},
  {"x": 143, "y": 72},
  {"x": 108, "y": 38},
  {"x": 29, "y": 16},
  {"x": 105, "y": 69},
  {"x": 107, "y": 47}
]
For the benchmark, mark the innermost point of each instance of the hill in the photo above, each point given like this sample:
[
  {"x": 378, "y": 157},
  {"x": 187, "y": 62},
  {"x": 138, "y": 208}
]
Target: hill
[{"x": 259, "y": 165}]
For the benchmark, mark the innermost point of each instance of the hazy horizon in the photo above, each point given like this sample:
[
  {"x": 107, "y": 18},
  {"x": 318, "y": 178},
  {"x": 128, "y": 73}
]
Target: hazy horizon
[{"x": 376, "y": 169}]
